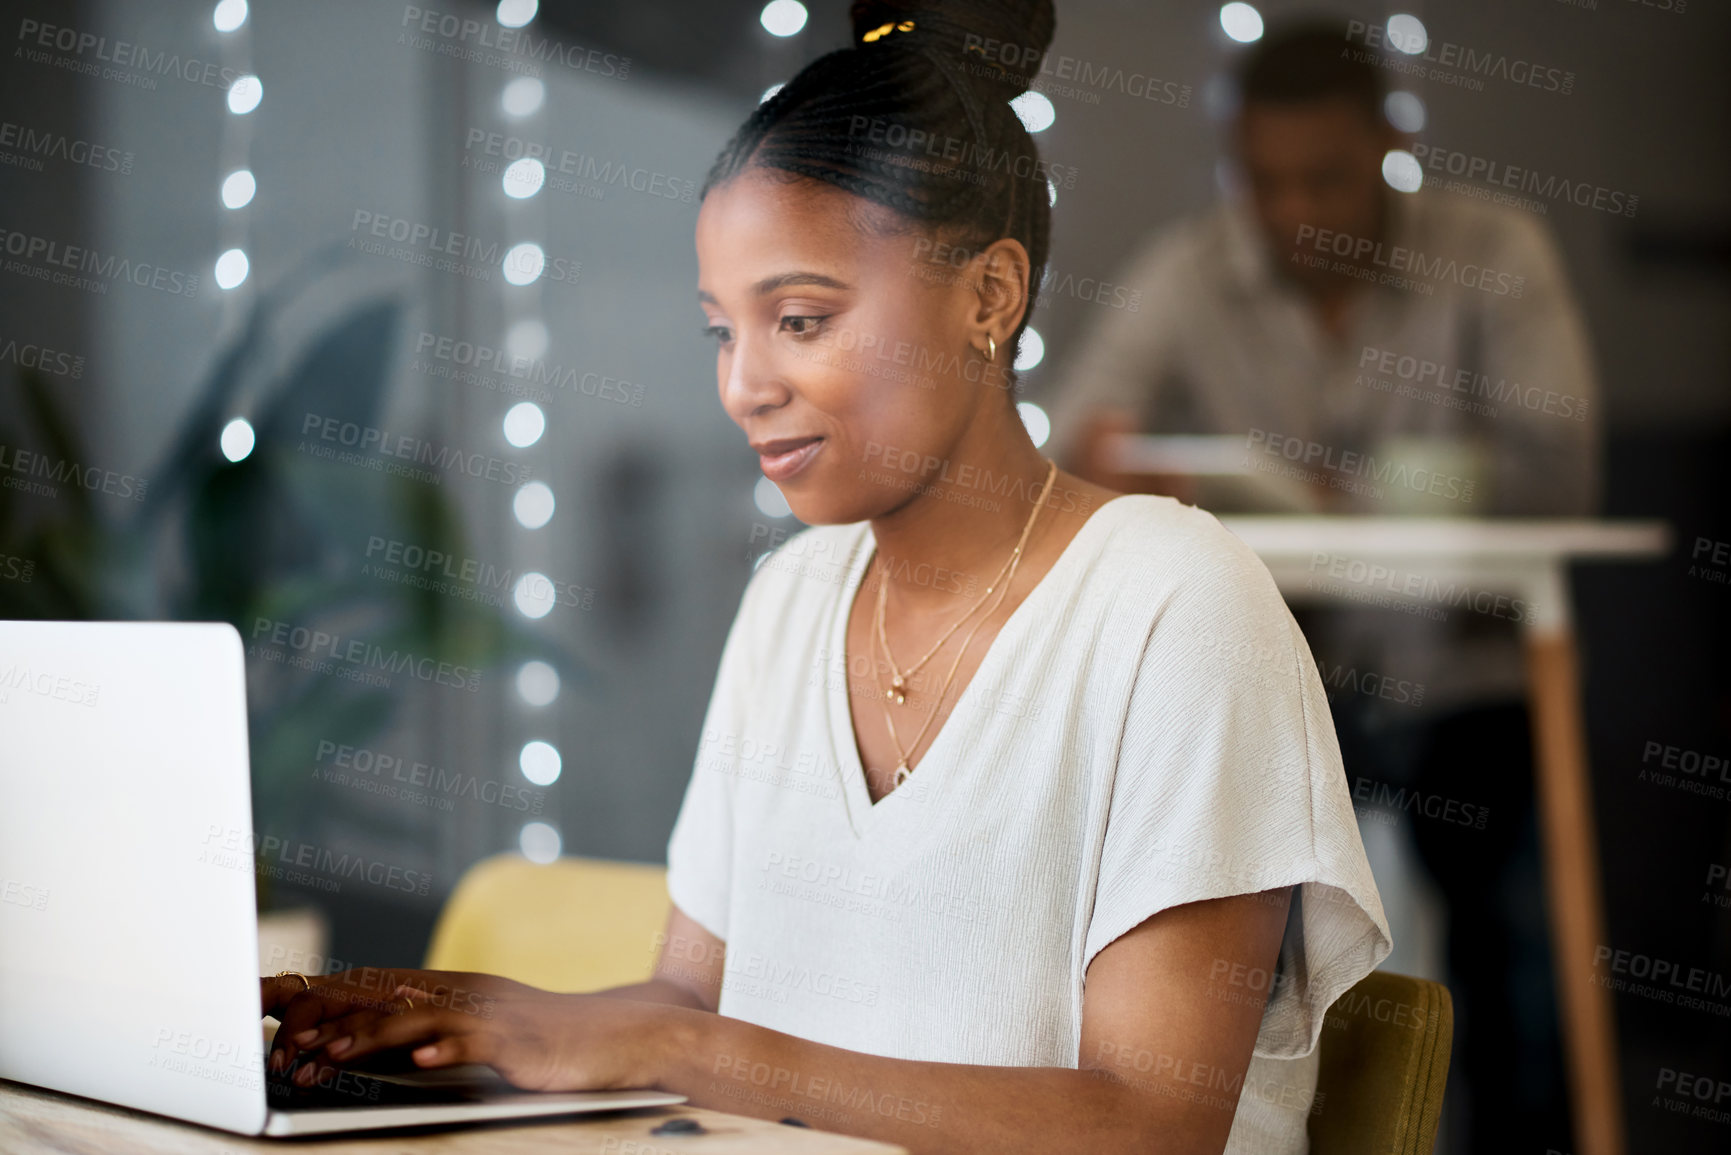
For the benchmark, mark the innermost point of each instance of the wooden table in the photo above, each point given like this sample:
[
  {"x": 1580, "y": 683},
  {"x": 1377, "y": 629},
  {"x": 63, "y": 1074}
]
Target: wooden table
[
  {"x": 33, "y": 1120},
  {"x": 1526, "y": 559}
]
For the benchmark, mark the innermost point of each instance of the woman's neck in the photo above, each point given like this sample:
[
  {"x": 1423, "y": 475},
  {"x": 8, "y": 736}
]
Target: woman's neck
[{"x": 950, "y": 539}]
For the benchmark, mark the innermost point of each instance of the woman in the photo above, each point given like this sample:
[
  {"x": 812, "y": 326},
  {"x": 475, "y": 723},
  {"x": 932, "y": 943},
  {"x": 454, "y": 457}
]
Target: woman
[{"x": 1051, "y": 849}]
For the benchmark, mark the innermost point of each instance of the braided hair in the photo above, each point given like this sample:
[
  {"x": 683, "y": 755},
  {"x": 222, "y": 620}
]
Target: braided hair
[{"x": 915, "y": 117}]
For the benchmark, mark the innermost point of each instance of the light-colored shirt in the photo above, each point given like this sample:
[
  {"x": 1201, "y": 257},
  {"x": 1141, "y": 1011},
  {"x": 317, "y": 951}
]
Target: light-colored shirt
[
  {"x": 1475, "y": 336},
  {"x": 1146, "y": 729}
]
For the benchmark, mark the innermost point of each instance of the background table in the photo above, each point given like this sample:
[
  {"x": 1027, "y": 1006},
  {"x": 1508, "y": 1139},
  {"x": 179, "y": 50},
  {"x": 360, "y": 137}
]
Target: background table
[
  {"x": 1527, "y": 559},
  {"x": 35, "y": 1120}
]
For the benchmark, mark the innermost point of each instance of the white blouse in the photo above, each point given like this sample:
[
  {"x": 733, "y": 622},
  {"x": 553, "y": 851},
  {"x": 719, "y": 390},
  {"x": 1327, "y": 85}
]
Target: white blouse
[{"x": 1146, "y": 729}]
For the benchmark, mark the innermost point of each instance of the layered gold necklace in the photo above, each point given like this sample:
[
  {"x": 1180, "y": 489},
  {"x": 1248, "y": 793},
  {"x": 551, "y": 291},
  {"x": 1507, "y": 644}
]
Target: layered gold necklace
[{"x": 898, "y": 687}]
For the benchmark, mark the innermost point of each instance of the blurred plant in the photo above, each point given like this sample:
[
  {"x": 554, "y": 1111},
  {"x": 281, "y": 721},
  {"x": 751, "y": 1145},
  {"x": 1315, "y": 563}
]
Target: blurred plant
[
  {"x": 54, "y": 566},
  {"x": 274, "y": 536}
]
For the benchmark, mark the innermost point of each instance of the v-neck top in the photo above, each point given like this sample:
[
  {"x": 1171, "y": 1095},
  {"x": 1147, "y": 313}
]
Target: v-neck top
[
  {"x": 1146, "y": 729},
  {"x": 845, "y": 687}
]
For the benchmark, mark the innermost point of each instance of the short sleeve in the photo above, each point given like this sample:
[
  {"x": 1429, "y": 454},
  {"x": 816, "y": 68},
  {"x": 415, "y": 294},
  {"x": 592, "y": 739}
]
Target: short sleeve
[
  {"x": 1229, "y": 781},
  {"x": 700, "y": 849}
]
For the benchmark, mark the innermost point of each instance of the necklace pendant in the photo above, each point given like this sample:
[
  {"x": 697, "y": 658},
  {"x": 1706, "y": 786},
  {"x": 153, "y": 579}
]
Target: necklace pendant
[
  {"x": 902, "y": 773},
  {"x": 898, "y": 691}
]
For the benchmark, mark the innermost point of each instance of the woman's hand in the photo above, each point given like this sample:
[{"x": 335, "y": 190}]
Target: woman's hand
[
  {"x": 360, "y": 995},
  {"x": 537, "y": 1040}
]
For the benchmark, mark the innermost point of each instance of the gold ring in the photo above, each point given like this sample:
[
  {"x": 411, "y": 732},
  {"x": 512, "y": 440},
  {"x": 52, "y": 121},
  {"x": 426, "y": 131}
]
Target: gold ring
[
  {"x": 408, "y": 1003},
  {"x": 298, "y": 975}
]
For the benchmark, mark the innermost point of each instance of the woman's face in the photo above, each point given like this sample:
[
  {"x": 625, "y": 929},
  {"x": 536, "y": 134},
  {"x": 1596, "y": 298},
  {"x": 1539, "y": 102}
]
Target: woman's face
[{"x": 843, "y": 352}]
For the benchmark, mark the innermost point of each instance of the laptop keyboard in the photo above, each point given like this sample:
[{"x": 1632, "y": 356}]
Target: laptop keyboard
[{"x": 344, "y": 1088}]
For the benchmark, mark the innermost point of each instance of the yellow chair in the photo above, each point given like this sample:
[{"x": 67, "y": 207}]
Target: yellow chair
[
  {"x": 1385, "y": 1061},
  {"x": 576, "y": 924}
]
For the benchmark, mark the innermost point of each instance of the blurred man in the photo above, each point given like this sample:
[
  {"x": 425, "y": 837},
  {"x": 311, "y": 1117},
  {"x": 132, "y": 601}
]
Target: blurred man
[{"x": 1390, "y": 353}]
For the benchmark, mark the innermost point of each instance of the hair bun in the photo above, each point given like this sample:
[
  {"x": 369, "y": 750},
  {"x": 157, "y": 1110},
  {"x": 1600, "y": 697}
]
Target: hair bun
[{"x": 997, "y": 44}]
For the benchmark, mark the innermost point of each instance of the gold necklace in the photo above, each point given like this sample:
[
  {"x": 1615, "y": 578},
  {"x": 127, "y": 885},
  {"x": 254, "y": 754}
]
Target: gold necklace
[
  {"x": 898, "y": 689},
  {"x": 898, "y": 685}
]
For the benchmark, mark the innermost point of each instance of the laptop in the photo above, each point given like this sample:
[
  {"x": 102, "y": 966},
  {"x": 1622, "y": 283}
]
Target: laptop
[{"x": 129, "y": 950}]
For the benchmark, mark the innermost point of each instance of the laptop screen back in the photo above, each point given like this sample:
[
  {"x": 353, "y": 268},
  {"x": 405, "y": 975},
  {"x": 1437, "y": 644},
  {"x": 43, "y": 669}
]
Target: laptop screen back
[{"x": 128, "y": 926}]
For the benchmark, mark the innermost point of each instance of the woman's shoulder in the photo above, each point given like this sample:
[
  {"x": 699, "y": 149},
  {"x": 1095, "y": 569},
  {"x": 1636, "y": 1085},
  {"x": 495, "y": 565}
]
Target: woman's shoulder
[{"x": 1160, "y": 541}]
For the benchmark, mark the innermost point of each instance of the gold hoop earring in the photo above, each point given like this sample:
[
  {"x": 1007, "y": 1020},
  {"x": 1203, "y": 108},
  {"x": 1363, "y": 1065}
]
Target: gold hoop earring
[{"x": 991, "y": 348}]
